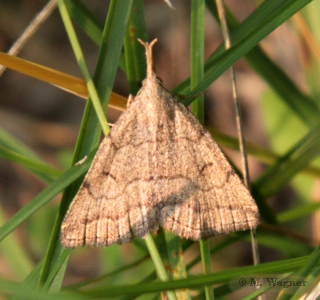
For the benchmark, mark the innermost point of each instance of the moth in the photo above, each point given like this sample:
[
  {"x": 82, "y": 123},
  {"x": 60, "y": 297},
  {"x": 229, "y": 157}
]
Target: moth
[{"x": 157, "y": 166}]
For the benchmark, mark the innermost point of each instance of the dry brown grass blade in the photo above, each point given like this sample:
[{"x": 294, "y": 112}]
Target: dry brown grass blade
[{"x": 69, "y": 83}]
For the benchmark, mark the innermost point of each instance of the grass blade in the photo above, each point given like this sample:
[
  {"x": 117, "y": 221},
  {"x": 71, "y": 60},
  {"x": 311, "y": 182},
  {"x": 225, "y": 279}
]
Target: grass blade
[
  {"x": 45, "y": 196},
  {"x": 264, "y": 20},
  {"x": 112, "y": 39},
  {"x": 197, "y": 74}
]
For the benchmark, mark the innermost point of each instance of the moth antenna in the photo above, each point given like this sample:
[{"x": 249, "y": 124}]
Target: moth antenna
[{"x": 150, "y": 67}]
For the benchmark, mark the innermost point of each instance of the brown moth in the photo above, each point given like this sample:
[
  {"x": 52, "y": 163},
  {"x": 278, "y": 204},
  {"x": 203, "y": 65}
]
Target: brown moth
[{"x": 157, "y": 166}]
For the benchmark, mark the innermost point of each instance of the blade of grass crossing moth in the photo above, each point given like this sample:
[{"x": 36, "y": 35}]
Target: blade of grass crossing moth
[
  {"x": 89, "y": 134},
  {"x": 93, "y": 94},
  {"x": 197, "y": 73},
  {"x": 104, "y": 74}
]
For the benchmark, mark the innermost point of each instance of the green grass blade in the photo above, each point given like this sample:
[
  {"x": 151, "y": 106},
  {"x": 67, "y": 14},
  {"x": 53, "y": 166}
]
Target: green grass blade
[
  {"x": 176, "y": 262},
  {"x": 311, "y": 279},
  {"x": 14, "y": 253},
  {"x": 45, "y": 196},
  {"x": 298, "y": 212},
  {"x": 197, "y": 54},
  {"x": 106, "y": 276},
  {"x": 83, "y": 66},
  {"x": 89, "y": 23},
  {"x": 196, "y": 75},
  {"x": 283, "y": 170},
  {"x": 263, "y": 21},
  {"x": 10, "y": 288},
  {"x": 30, "y": 281},
  {"x": 112, "y": 40},
  {"x": 261, "y": 290},
  {"x": 298, "y": 157},
  {"x": 261, "y": 153},
  {"x": 229, "y": 241},
  {"x": 198, "y": 281},
  {"x": 161, "y": 271},
  {"x": 268, "y": 22},
  {"x": 288, "y": 246},
  {"x": 301, "y": 104},
  {"x": 11, "y": 143},
  {"x": 14, "y": 150},
  {"x": 43, "y": 171},
  {"x": 86, "y": 20},
  {"x": 148, "y": 278},
  {"x": 134, "y": 52},
  {"x": 55, "y": 278},
  {"x": 313, "y": 262}
]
